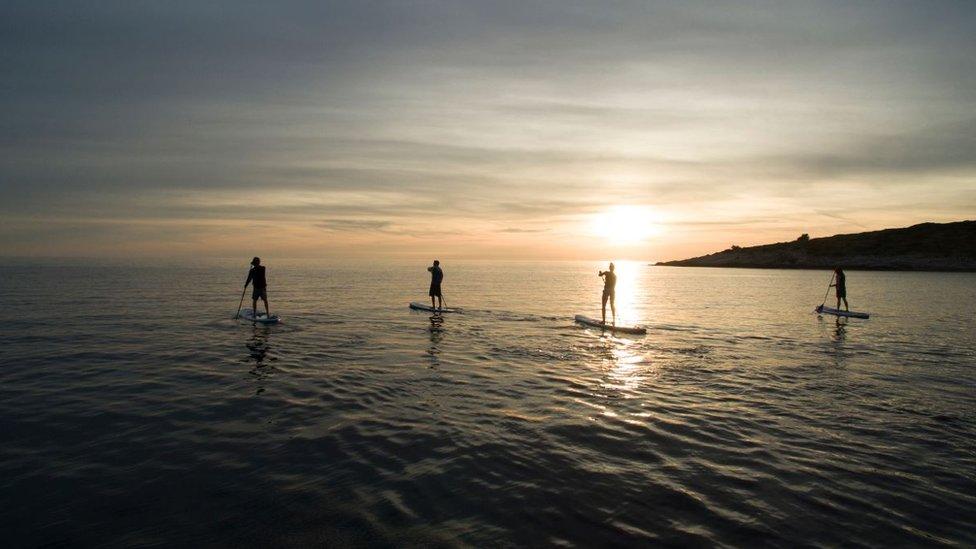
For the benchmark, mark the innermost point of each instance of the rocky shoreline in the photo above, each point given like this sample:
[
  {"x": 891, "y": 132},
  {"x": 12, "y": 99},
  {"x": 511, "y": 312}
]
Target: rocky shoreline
[{"x": 924, "y": 247}]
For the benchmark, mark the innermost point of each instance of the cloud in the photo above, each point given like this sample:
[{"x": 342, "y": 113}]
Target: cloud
[
  {"x": 342, "y": 225},
  {"x": 522, "y": 114},
  {"x": 517, "y": 230}
]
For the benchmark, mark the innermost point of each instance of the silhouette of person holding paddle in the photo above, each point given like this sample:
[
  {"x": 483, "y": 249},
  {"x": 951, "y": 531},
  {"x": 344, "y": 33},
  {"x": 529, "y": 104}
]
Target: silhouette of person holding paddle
[
  {"x": 257, "y": 276},
  {"x": 840, "y": 282},
  {"x": 436, "y": 276},
  {"x": 609, "y": 286}
]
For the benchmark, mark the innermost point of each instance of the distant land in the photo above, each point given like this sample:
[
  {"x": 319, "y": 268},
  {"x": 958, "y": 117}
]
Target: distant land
[{"x": 923, "y": 247}]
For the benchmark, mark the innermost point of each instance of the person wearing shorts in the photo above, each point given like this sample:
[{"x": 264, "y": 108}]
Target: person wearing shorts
[
  {"x": 436, "y": 276},
  {"x": 260, "y": 291},
  {"x": 840, "y": 282},
  {"x": 609, "y": 290}
]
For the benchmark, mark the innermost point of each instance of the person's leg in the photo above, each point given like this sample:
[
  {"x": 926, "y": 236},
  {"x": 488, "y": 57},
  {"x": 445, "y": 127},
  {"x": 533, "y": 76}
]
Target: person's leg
[
  {"x": 838, "y": 303},
  {"x": 267, "y": 311},
  {"x": 440, "y": 301},
  {"x": 254, "y": 306},
  {"x": 846, "y": 307},
  {"x": 613, "y": 308},
  {"x": 603, "y": 308},
  {"x": 433, "y": 301}
]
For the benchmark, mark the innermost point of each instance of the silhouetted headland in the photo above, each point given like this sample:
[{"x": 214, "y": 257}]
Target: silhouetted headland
[{"x": 922, "y": 247}]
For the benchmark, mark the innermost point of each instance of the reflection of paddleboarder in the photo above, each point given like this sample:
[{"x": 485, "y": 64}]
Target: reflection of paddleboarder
[
  {"x": 840, "y": 282},
  {"x": 609, "y": 285},
  {"x": 436, "y": 276}
]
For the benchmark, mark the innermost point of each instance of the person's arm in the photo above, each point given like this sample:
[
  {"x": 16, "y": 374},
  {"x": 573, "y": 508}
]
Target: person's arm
[
  {"x": 430, "y": 269},
  {"x": 250, "y": 275}
]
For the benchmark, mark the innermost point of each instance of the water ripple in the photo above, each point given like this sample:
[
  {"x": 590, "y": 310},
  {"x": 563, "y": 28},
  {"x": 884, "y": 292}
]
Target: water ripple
[{"x": 358, "y": 422}]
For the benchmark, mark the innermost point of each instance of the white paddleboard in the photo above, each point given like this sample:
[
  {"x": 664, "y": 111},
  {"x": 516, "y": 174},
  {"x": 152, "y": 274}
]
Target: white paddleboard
[
  {"x": 824, "y": 310},
  {"x": 422, "y": 307},
  {"x": 618, "y": 328},
  {"x": 261, "y": 318}
]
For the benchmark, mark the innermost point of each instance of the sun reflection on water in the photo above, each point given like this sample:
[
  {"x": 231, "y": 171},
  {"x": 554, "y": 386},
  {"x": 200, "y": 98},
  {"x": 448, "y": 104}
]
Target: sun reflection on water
[
  {"x": 625, "y": 372},
  {"x": 624, "y": 367}
]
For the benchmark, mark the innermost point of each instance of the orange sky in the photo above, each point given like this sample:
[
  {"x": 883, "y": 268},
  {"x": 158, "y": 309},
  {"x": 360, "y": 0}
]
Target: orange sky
[{"x": 652, "y": 131}]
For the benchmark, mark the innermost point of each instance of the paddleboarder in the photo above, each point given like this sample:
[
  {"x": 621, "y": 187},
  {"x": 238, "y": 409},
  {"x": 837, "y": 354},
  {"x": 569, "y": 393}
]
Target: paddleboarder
[
  {"x": 840, "y": 282},
  {"x": 257, "y": 276},
  {"x": 436, "y": 276},
  {"x": 609, "y": 285}
]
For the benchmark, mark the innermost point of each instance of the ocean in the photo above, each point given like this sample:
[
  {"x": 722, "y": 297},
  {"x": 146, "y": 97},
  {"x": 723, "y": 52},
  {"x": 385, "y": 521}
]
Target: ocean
[{"x": 135, "y": 411}]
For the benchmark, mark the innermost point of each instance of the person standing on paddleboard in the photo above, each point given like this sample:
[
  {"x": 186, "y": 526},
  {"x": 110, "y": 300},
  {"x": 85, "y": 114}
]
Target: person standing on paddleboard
[
  {"x": 257, "y": 276},
  {"x": 840, "y": 282},
  {"x": 436, "y": 276},
  {"x": 609, "y": 287}
]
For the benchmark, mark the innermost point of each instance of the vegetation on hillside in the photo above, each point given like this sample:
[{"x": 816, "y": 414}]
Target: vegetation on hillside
[{"x": 923, "y": 247}]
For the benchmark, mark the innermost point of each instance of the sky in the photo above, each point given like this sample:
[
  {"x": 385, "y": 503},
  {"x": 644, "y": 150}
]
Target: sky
[{"x": 538, "y": 130}]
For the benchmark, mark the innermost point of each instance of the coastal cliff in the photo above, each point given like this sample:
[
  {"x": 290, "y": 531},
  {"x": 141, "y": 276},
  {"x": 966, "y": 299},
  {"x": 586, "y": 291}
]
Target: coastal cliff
[{"x": 923, "y": 247}]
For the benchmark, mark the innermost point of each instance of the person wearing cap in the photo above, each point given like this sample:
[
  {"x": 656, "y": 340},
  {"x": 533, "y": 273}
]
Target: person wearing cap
[
  {"x": 257, "y": 276},
  {"x": 609, "y": 285}
]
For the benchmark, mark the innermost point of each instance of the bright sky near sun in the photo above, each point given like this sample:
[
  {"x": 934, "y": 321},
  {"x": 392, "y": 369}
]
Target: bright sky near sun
[{"x": 641, "y": 130}]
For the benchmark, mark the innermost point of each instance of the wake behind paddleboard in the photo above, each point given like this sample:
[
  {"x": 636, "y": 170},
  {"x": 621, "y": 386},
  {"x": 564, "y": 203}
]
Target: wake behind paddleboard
[
  {"x": 422, "y": 307},
  {"x": 585, "y": 320},
  {"x": 261, "y": 318},
  {"x": 824, "y": 310}
]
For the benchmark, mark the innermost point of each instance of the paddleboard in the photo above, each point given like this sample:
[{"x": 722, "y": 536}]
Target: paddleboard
[
  {"x": 261, "y": 318},
  {"x": 824, "y": 310},
  {"x": 422, "y": 307},
  {"x": 618, "y": 328}
]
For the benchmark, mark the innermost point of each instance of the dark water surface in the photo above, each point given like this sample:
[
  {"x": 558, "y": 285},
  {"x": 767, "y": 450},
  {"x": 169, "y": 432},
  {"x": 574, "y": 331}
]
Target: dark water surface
[{"x": 134, "y": 411}]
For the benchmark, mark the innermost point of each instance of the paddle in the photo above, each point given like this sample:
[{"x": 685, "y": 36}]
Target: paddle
[
  {"x": 820, "y": 308},
  {"x": 238, "y": 315}
]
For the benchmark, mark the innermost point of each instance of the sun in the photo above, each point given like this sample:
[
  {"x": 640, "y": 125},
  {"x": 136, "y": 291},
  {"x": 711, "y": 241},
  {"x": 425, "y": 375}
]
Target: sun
[{"x": 625, "y": 225}]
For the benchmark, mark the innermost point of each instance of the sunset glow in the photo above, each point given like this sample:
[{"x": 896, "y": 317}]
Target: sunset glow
[
  {"x": 657, "y": 130},
  {"x": 486, "y": 273},
  {"x": 625, "y": 225}
]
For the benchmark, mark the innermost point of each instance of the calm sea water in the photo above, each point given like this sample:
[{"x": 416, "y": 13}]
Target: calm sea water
[{"x": 134, "y": 411}]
